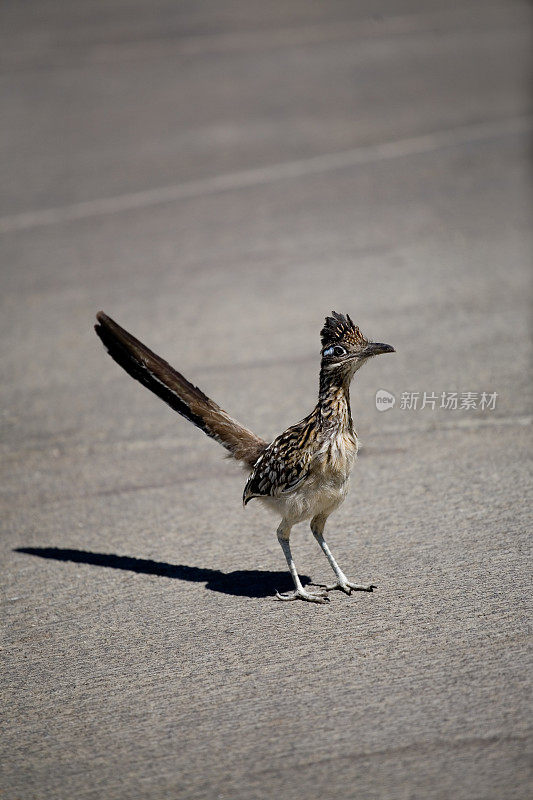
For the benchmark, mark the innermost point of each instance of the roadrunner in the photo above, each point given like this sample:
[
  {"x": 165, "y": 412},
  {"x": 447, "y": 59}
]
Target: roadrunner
[{"x": 303, "y": 474}]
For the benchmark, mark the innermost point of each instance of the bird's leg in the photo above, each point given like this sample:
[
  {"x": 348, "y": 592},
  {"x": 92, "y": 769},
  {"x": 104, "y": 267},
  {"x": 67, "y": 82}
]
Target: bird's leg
[
  {"x": 317, "y": 527},
  {"x": 284, "y": 531}
]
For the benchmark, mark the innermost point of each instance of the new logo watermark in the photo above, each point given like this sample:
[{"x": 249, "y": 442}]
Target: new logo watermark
[
  {"x": 384, "y": 400},
  {"x": 450, "y": 401}
]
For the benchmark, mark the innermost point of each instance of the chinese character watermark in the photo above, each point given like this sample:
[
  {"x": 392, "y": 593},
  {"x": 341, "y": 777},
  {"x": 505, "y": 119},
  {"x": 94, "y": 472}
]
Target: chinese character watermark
[{"x": 449, "y": 401}]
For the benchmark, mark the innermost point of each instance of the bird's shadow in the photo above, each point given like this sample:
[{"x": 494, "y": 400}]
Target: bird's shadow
[{"x": 241, "y": 583}]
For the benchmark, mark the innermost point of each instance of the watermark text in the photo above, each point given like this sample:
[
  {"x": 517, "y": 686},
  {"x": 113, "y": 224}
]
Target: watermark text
[{"x": 450, "y": 401}]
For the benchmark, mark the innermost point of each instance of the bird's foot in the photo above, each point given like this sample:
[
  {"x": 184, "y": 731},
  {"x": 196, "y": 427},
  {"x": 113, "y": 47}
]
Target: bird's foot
[
  {"x": 302, "y": 594},
  {"x": 348, "y": 587}
]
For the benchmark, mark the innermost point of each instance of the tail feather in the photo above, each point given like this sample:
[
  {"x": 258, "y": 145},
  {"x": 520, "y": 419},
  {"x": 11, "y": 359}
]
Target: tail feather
[{"x": 172, "y": 387}]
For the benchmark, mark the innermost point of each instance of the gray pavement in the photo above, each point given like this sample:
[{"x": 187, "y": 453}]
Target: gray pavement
[{"x": 218, "y": 177}]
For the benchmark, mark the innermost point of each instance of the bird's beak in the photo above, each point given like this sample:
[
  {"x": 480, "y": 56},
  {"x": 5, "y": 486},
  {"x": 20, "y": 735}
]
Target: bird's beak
[{"x": 376, "y": 348}]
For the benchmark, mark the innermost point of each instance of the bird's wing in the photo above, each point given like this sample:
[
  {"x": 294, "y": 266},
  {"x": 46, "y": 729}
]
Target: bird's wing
[{"x": 281, "y": 468}]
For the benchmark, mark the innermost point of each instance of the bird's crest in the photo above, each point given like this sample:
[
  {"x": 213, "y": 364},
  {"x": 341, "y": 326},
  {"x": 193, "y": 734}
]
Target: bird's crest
[{"x": 340, "y": 329}]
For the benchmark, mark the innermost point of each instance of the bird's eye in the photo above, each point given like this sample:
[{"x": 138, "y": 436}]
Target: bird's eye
[{"x": 337, "y": 350}]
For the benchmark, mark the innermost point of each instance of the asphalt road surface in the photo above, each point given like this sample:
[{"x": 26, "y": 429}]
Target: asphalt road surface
[{"x": 218, "y": 177}]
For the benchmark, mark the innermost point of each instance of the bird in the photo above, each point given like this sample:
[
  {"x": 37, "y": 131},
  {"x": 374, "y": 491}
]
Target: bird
[{"x": 303, "y": 474}]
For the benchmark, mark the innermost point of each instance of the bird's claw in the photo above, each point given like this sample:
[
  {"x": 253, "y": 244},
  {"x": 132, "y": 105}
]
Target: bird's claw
[
  {"x": 312, "y": 597},
  {"x": 348, "y": 587}
]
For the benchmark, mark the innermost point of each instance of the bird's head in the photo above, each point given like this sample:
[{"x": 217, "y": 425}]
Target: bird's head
[{"x": 345, "y": 349}]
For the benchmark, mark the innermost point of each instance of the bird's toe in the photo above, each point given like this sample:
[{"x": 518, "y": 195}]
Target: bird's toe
[{"x": 311, "y": 597}]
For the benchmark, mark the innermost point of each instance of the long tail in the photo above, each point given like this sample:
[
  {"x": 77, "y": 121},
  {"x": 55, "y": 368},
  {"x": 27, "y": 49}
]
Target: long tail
[{"x": 168, "y": 384}]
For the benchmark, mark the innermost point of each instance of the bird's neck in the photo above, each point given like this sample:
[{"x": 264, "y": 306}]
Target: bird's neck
[{"x": 334, "y": 400}]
